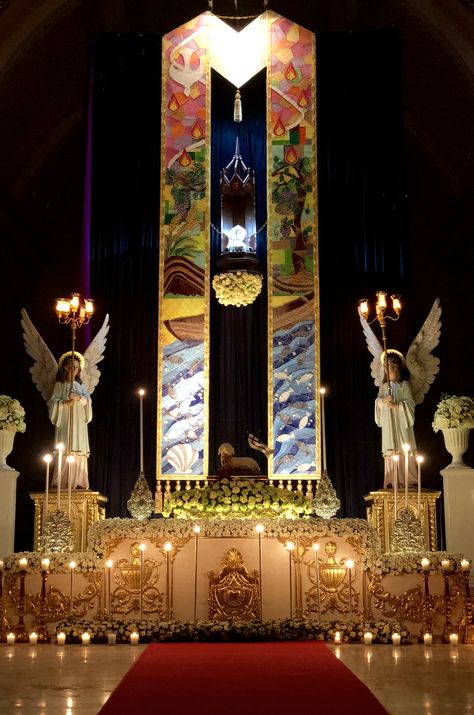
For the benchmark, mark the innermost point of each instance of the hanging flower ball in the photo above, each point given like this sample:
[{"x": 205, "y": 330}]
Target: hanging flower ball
[{"x": 238, "y": 288}]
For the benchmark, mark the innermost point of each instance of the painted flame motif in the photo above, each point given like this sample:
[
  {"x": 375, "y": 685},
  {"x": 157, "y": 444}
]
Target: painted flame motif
[
  {"x": 291, "y": 157},
  {"x": 279, "y": 128},
  {"x": 303, "y": 100},
  {"x": 182, "y": 457},
  {"x": 173, "y": 104},
  {"x": 290, "y": 72},
  {"x": 185, "y": 159},
  {"x": 197, "y": 131}
]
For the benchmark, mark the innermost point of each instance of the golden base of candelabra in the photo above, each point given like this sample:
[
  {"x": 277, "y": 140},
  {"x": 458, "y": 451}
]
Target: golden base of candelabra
[
  {"x": 21, "y": 636},
  {"x": 467, "y": 633}
]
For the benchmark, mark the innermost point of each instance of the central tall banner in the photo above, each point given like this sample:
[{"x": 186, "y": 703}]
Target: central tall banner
[{"x": 288, "y": 52}]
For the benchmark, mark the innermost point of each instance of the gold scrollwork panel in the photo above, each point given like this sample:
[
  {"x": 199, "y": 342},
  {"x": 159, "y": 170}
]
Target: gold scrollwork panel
[{"x": 234, "y": 592}]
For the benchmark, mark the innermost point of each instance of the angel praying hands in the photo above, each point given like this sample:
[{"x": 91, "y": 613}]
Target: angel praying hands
[
  {"x": 66, "y": 386},
  {"x": 399, "y": 393}
]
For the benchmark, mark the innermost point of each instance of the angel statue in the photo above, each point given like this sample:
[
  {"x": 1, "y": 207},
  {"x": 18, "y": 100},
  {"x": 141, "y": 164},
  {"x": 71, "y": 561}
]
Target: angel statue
[
  {"x": 400, "y": 392},
  {"x": 66, "y": 386}
]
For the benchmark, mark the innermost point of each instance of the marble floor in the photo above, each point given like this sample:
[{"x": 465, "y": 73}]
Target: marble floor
[{"x": 411, "y": 680}]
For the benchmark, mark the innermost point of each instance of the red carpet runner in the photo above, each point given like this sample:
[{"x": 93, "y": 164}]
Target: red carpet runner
[{"x": 240, "y": 679}]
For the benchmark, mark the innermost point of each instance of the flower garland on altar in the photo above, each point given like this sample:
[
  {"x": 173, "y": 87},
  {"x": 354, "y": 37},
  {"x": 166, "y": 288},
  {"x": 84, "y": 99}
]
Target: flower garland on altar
[
  {"x": 224, "y": 631},
  {"x": 237, "y": 498}
]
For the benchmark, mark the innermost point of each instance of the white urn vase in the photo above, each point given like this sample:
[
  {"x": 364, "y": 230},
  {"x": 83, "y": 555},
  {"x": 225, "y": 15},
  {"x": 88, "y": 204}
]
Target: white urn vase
[
  {"x": 456, "y": 441},
  {"x": 6, "y": 445}
]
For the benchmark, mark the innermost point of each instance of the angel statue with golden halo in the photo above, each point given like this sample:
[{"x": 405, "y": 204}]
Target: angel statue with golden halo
[
  {"x": 404, "y": 387},
  {"x": 66, "y": 386}
]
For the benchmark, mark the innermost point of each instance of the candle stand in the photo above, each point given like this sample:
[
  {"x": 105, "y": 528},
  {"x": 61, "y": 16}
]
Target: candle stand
[
  {"x": 427, "y": 605},
  {"x": 448, "y": 606},
  {"x": 40, "y": 626},
  {"x": 21, "y": 635},
  {"x": 467, "y": 626}
]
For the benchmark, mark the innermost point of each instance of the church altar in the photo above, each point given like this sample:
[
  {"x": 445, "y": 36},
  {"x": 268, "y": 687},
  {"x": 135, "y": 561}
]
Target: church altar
[{"x": 180, "y": 571}]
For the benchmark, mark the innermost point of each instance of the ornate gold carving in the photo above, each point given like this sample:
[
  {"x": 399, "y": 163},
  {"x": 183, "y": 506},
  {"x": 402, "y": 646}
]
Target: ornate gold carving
[
  {"x": 57, "y": 533},
  {"x": 87, "y": 507},
  {"x": 333, "y": 585},
  {"x": 407, "y": 533},
  {"x": 234, "y": 592},
  {"x": 125, "y": 598}
]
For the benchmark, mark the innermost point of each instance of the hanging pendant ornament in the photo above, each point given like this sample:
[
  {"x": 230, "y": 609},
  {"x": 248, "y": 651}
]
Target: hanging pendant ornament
[{"x": 237, "y": 107}]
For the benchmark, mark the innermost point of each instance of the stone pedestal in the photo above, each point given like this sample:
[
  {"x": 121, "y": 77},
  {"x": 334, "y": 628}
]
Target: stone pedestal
[
  {"x": 458, "y": 486},
  {"x": 86, "y": 508},
  {"x": 8, "y": 479}
]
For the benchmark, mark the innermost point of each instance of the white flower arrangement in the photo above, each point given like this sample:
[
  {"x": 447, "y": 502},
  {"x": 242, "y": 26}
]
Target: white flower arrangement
[
  {"x": 453, "y": 411},
  {"x": 237, "y": 288},
  {"x": 11, "y": 414}
]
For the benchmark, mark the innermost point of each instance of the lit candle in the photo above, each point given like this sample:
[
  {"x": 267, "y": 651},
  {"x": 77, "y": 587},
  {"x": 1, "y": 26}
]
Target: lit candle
[
  {"x": 142, "y": 549},
  {"x": 465, "y": 564},
  {"x": 337, "y": 637},
  {"x": 72, "y": 566},
  {"x": 44, "y": 564},
  {"x": 316, "y": 566},
  {"x": 290, "y": 546},
  {"x": 60, "y": 638},
  {"x": 10, "y": 639},
  {"x": 134, "y": 638},
  {"x": 47, "y": 460},
  {"x": 111, "y": 638},
  {"x": 33, "y": 638},
  {"x": 453, "y": 639},
  {"x": 70, "y": 460},
  {"x": 322, "y": 392},
  {"x": 141, "y": 392},
  {"x": 406, "y": 450},
  {"x": 350, "y": 565},
  {"x": 260, "y": 529},
  {"x": 446, "y": 564},
  {"x": 109, "y": 563},
  {"x": 197, "y": 531},
  {"x": 368, "y": 638},
  {"x": 396, "y": 459},
  {"x": 60, "y": 448},
  {"x": 23, "y": 563},
  {"x": 425, "y": 564},
  {"x": 2, "y": 565},
  {"x": 396, "y": 638},
  {"x": 428, "y": 639},
  {"x": 168, "y": 547},
  {"x": 419, "y": 461},
  {"x": 86, "y": 638}
]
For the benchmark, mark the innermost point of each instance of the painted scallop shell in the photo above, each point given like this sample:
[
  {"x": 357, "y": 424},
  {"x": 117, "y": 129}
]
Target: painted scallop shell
[{"x": 182, "y": 457}]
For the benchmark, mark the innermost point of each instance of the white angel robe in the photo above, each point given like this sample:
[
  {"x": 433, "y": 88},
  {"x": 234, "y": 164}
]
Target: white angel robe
[
  {"x": 71, "y": 429},
  {"x": 397, "y": 429}
]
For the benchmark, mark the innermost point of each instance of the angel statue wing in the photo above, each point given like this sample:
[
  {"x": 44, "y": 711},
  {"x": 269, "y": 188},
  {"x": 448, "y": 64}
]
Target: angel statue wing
[
  {"x": 94, "y": 354},
  {"x": 423, "y": 366},
  {"x": 375, "y": 348},
  {"x": 45, "y": 366}
]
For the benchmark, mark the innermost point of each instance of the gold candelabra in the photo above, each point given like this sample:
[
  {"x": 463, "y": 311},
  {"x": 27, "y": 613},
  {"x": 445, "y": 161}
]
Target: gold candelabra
[
  {"x": 71, "y": 311},
  {"x": 381, "y": 315}
]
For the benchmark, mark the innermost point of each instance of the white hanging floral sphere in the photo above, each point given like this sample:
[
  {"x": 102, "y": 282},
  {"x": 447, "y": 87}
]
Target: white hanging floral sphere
[{"x": 238, "y": 288}]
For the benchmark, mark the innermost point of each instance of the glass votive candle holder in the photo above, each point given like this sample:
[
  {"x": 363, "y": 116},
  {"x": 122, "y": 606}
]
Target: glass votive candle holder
[
  {"x": 33, "y": 638},
  {"x": 134, "y": 638},
  {"x": 453, "y": 639},
  {"x": 428, "y": 639},
  {"x": 368, "y": 638},
  {"x": 60, "y": 638},
  {"x": 10, "y": 639},
  {"x": 396, "y": 638},
  {"x": 86, "y": 638}
]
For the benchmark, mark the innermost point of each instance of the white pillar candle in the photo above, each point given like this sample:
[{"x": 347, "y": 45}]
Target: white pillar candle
[
  {"x": 428, "y": 639},
  {"x": 134, "y": 638},
  {"x": 44, "y": 564},
  {"x": 396, "y": 638},
  {"x": 453, "y": 639},
  {"x": 465, "y": 565},
  {"x": 60, "y": 638},
  {"x": 23, "y": 563},
  {"x": 33, "y": 637},
  {"x": 446, "y": 564},
  {"x": 111, "y": 638},
  {"x": 425, "y": 564},
  {"x": 10, "y": 639},
  {"x": 86, "y": 638},
  {"x": 368, "y": 638}
]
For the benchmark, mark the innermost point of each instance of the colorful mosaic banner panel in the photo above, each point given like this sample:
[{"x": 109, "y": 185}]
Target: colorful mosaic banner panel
[
  {"x": 292, "y": 251},
  {"x": 184, "y": 254}
]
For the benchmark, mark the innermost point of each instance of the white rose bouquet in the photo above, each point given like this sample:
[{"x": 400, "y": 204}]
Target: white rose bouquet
[
  {"x": 453, "y": 411},
  {"x": 11, "y": 414}
]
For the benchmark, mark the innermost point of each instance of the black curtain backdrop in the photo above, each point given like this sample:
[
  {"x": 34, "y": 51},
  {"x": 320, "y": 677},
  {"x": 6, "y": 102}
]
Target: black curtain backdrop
[
  {"x": 238, "y": 385},
  {"x": 362, "y": 249},
  {"x": 124, "y": 256}
]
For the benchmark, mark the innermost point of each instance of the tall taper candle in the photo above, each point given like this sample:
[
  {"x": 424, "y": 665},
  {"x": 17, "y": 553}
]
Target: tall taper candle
[
  {"x": 260, "y": 529},
  {"x": 406, "y": 450},
  {"x": 168, "y": 547},
  {"x": 396, "y": 460},
  {"x": 70, "y": 460},
  {"x": 141, "y": 392},
  {"x": 60, "y": 448},
  {"x": 109, "y": 563},
  {"x": 290, "y": 546},
  {"x": 350, "y": 565},
  {"x": 419, "y": 461},
  {"x": 196, "y": 530},
  {"x": 322, "y": 392},
  {"x": 72, "y": 566},
  {"x": 142, "y": 549},
  {"x": 316, "y": 566},
  {"x": 47, "y": 460}
]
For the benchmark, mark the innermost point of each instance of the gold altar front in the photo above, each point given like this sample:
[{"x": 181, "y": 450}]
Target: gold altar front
[
  {"x": 380, "y": 514},
  {"x": 87, "y": 507}
]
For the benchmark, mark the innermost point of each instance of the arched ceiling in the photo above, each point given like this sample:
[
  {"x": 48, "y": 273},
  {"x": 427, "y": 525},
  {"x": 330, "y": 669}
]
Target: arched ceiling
[{"x": 45, "y": 53}]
